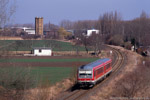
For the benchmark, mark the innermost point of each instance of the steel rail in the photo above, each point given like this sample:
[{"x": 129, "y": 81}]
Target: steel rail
[{"x": 78, "y": 94}]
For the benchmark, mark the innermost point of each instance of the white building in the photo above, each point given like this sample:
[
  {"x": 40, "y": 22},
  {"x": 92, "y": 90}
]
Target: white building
[
  {"x": 26, "y": 29},
  {"x": 42, "y": 51},
  {"x": 90, "y": 32},
  {"x": 30, "y": 31}
]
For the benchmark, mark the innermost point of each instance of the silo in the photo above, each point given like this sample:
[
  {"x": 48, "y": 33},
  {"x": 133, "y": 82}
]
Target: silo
[{"x": 39, "y": 26}]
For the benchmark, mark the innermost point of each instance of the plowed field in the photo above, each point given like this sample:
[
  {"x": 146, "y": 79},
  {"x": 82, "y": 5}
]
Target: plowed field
[{"x": 55, "y": 61}]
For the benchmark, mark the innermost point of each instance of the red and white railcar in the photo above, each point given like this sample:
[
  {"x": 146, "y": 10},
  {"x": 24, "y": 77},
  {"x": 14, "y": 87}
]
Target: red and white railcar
[{"x": 93, "y": 72}]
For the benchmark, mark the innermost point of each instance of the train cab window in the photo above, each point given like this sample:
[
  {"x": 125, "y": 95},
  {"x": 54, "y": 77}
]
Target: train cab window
[
  {"x": 82, "y": 74},
  {"x": 85, "y": 75},
  {"x": 89, "y": 74}
]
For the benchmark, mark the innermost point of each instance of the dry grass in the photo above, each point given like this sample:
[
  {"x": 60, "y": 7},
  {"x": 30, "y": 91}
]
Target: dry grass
[
  {"x": 43, "y": 92},
  {"x": 46, "y": 92},
  {"x": 133, "y": 61},
  {"x": 10, "y": 38}
]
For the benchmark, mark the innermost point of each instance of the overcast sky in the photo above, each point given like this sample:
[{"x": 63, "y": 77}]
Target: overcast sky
[{"x": 55, "y": 11}]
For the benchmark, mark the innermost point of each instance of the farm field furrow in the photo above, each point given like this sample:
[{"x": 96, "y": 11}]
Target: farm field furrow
[
  {"x": 45, "y": 69},
  {"x": 49, "y": 60}
]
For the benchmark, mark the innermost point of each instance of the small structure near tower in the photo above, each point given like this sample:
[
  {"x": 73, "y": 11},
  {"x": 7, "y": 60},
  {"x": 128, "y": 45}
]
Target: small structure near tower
[{"x": 42, "y": 51}]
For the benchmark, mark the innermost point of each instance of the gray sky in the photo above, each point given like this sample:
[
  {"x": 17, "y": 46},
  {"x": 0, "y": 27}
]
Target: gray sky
[{"x": 55, "y": 11}]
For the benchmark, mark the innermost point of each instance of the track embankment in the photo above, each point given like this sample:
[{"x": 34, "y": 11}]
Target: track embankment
[{"x": 83, "y": 94}]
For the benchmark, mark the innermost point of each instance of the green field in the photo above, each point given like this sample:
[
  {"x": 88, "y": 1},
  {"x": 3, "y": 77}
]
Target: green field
[
  {"x": 51, "y": 74},
  {"x": 41, "y": 74},
  {"x": 49, "y": 60},
  {"x": 27, "y": 45},
  {"x": 34, "y": 75}
]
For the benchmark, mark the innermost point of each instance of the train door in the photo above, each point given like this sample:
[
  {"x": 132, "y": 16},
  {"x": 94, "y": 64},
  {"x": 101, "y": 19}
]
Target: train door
[
  {"x": 94, "y": 73},
  {"x": 104, "y": 69}
]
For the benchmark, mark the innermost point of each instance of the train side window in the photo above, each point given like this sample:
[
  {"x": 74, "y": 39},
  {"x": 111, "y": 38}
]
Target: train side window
[
  {"x": 100, "y": 70},
  {"x": 108, "y": 66}
]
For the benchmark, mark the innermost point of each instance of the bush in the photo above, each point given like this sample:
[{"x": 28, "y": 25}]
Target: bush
[
  {"x": 115, "y": 40},
  {"x": 30, "y": 36},
  {"x": 134, "y": 84},
  {"x": 14, "y": 81},
  {"x": 128, "y": 45}
]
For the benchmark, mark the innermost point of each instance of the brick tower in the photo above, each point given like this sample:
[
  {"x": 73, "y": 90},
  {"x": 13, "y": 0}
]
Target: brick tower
[{"x": 39, "y": 26}]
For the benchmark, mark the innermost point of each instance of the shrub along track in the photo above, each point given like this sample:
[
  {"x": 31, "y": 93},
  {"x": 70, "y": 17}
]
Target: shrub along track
[{"x": 84, "y": 94}]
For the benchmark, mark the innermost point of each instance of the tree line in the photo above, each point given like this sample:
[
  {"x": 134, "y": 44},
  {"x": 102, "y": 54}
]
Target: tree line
[
  {"x": 113, "y": 30},
  {"x": 112, "y": 25}
]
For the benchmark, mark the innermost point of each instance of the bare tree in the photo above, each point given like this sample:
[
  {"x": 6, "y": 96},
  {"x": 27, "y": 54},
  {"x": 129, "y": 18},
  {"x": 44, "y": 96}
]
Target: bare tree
[
  {"x": 28, "y": 25},
  {"x": 66, "y": 24},
  {"x": 108, "y": 23},
  {"x": 7, "y": 9},
  {"x": 85, "y": 41},
  {"x": 96, "y": 41},
  {"x": 50, "y": 26},
  {"x": 84, "y": 25},
  {"x": 138, "y": 30}
]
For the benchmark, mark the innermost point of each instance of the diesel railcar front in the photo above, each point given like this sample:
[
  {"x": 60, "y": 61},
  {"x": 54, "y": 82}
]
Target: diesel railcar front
[{"x": 93, "y": 72}]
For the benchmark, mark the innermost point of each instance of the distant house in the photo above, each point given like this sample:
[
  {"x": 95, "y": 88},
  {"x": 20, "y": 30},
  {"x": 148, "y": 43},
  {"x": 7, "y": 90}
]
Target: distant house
[
  {"x": 30, "y": 31},
  {"x": 42, "y": 51},
  {"x": 25, "y": 29},
  {"x": 90, "y": 32}
]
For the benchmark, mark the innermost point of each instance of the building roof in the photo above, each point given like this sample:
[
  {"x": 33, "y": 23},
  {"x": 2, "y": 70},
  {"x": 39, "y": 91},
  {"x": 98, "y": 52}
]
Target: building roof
[
  {"x": 30, "y": 29},
  {"x": 94, "y": 64},
  {"x": 41, "y": 48}
]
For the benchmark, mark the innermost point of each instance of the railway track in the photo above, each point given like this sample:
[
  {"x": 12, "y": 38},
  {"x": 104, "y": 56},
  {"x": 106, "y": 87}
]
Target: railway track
[{"x": 118, "y": 63}]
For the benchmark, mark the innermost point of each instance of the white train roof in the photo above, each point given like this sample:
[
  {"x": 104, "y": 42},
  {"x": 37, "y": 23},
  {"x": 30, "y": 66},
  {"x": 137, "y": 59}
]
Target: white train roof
[{"x": 94, "y": 64}]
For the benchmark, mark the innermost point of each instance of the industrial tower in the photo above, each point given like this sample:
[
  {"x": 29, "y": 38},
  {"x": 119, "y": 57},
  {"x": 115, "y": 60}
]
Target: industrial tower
[{"x": 39, "y": 26}]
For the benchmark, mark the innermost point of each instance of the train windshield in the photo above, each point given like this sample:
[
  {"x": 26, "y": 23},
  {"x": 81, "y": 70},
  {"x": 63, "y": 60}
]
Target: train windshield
[{"x": 85, "y": 74}]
